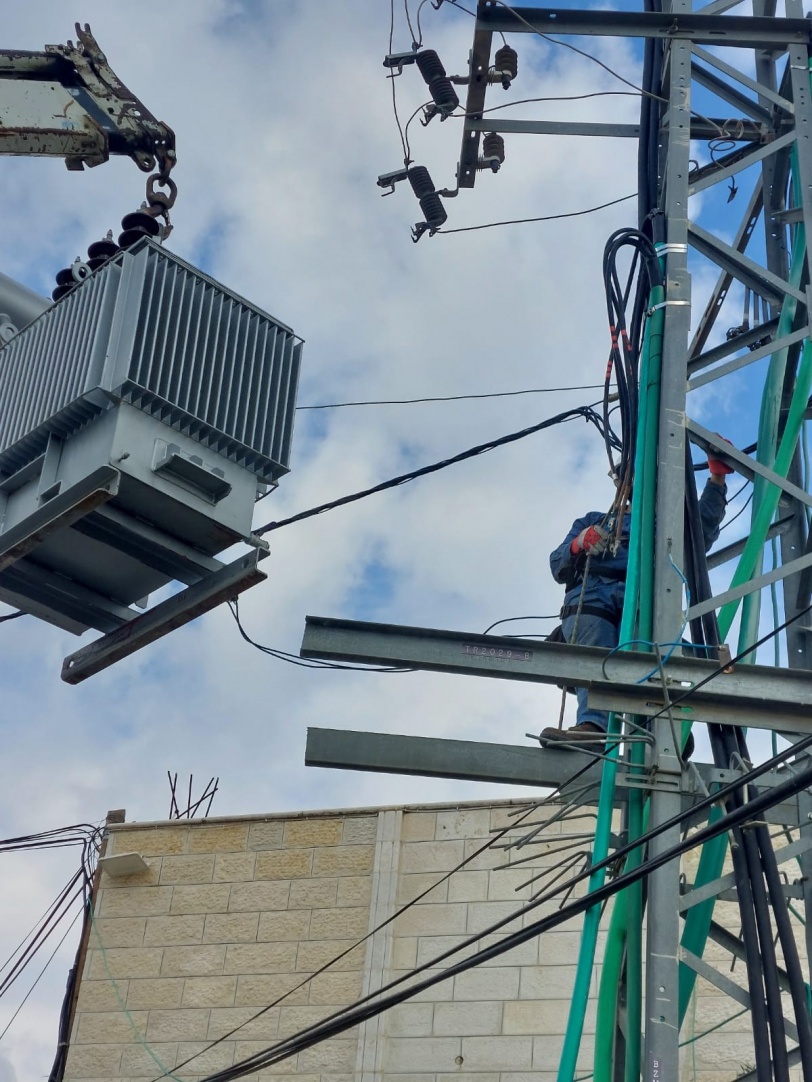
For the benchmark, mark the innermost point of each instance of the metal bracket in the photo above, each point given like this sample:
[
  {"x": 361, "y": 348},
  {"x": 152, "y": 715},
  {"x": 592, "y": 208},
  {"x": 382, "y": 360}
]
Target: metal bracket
[
  {"x": 57, "y": 513},
  {"x": 173, "y": 613}
]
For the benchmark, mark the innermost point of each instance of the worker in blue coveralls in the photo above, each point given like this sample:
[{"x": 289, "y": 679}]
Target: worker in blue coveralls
[{"x": 599, "y": 595}]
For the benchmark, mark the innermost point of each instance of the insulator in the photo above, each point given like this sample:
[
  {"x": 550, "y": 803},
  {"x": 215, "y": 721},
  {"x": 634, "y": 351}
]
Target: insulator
[
  {"x": 420, "y": 180},
  {"x": 433, "y": 211},
  {"x": 136, "y": 225},
  {"x": 431, "y": 66},
  {"x": 430, "y": 202},
  {"x": 70, "y": 277},
  {"x": 505, "y": 65},
  {"x": 101, "y": 250},
  {"x": 493, "y": 152},
  {"x": 443, "y": 95}
]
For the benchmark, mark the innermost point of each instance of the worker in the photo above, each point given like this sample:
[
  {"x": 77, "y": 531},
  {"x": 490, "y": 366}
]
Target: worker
[{"x": 593, "y": 603}]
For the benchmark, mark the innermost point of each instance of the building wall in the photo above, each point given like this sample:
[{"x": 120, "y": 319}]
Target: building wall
[{"x": 234, "y": 914}]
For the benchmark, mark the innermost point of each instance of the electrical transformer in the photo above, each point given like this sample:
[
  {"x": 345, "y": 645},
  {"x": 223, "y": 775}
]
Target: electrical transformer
[{"x": 140, "y": 418}]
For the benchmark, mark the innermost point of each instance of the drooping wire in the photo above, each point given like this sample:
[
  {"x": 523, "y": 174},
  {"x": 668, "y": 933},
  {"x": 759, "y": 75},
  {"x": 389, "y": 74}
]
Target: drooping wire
[
  {"x": 581, "y": 52},
  {"x": 307, "y": 663},
  {"x": 447, "y": 398},
  {"x": 626, "y": 330},
  {"x": 513, "y": 619},
  {"x": 759, "y": 891},
  {"x": 317, "y": 1031},
  {"x": 586, "y": 412},
  {"x": 541, "y": 218},
  {"x": 392, "y": 77},
  {"x": 39, "y": 976}
]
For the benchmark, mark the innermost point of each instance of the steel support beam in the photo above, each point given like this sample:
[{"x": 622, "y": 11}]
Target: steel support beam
[
  {"x": 62, "y": 511},
  {"x": 744, "y": 464},
  {"x": 780, "y": 700},
  {"x": 743, "y": 131},
  {"x": 432, "y": 757},
  {"x": 747, "y": 270},
  {"x": 508, "y": 764},
  {"x": 232, "y": 580},
  {"x": 787, "y": 340},
  {"x": 672, "y": 24}
]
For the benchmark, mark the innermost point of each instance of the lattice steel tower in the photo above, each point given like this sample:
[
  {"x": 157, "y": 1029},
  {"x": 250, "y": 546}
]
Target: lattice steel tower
[{"x": 707, "y": 75}]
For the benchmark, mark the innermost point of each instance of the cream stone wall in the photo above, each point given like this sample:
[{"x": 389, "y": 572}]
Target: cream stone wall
[{"x": 232, "y": 915}]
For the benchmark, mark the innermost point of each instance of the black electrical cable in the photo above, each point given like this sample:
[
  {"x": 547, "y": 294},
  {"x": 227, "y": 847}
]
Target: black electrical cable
[
  {"x": 349, "y": 1017},
  {"x": 497, "y": 836},
  {"x": 39, "y": 976},
  {"x": 626, "y": 338},
  {"x": 307, "y": 663},
  {"x": 756, "y": 845},
  {"x": 741, "y": 510},
  {"x": 723, "y": 745},
  {"x": 702, "y": 805},
  {"x": 446, "y": 398},
  {"x": 342, "y": 1020},
  {"x": 541, "y": 218},
  {"x": 586, "y": 412},
  {"x": 575, "y": 49},
  {"x": 513, "y": 619},
  {"x": 11, "y": 616},
  {"x": 392, "y": 77}
]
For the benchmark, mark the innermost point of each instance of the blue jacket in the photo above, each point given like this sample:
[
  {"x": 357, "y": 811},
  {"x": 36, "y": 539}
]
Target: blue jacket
[{"x": 607, "y": 572}]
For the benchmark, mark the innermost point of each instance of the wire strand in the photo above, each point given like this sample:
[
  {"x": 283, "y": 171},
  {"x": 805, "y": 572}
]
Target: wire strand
[
  {"x": 586, "y": 412},
  {"x": 541, "y": 218},
  {"x": 451, "y": 398}
]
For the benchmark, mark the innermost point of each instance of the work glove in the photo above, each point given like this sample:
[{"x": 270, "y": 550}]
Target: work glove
[
  {"x": 592, "y": 541},
  {"x": 716, "y": 466}
]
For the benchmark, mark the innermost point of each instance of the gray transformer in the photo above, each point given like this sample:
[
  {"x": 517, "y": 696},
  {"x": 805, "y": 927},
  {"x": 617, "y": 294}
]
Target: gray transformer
[{"x": 140, "y": 417}]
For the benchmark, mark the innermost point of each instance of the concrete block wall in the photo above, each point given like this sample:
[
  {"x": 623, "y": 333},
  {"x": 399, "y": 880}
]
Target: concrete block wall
[{"x": 233, "y": 915}]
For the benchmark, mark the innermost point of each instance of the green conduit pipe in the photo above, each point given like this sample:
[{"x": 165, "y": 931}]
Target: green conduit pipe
[
  {"x": 603, "y": 825},
  {"x": 768, "y": 437},
  {"x": 625, "y": 927},
  {"x": 762, "y": 518},
  {"x": 697, "y": 924},
  {"x": 698, "y": 920}
]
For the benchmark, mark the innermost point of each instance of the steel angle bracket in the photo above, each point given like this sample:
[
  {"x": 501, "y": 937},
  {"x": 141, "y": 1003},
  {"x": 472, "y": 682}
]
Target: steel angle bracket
[
  {"x": 479, "y": 64},
  {"x": 57, "y": 514},
  {"x": 168, "y": 615},
  {"x": 753, "y": 695}
]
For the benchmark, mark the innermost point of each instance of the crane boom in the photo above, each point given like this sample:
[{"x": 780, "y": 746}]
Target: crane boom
[{"x": 67, "y": 102}]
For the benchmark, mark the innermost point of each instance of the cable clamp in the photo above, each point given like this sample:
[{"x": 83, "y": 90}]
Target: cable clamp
[
  {"x": 669, "y": 249},
  {"x": 663, "y": 304}
]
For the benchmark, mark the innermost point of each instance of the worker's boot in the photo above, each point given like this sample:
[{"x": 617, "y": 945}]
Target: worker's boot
[{"x": 587, "y": 736}]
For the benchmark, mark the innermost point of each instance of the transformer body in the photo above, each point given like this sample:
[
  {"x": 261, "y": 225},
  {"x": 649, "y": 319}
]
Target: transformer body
[{"x": 172, "y": 396}]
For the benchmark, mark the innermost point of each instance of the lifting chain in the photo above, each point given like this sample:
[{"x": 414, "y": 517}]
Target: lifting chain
[{"x": 159, "y": 203}]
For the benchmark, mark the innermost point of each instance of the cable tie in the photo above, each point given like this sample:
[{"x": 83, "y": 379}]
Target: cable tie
[
  {"x": 669, "y": 249},
  {"x": 663, "y": 304}
]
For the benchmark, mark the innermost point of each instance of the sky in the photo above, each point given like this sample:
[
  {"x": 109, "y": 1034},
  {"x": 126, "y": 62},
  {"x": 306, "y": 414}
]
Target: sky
[{"x": 284, "y": 119}]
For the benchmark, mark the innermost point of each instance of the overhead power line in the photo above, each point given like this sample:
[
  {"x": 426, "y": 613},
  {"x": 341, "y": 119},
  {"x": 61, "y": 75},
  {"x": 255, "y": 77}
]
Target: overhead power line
[
  {"x": 542, "y": 218},
  {"x": 453, "y": 397},
  {"x": 587, "y": 412}
]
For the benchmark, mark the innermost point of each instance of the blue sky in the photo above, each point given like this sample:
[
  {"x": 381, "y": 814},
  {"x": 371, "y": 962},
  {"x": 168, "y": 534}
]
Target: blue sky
[{"x": 284, "y": 120}]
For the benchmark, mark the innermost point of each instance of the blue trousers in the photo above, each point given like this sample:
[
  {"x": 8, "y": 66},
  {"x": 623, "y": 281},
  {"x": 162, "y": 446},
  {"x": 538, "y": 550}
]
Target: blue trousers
[{"x": 591, "y": 631}]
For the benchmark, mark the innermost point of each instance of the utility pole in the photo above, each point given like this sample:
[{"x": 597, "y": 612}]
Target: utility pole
[{"x": 767, "y": 120}]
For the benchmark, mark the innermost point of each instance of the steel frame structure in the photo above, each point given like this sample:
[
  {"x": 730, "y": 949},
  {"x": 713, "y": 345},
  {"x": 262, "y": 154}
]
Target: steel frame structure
[{"x": 767, "y": 116}]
